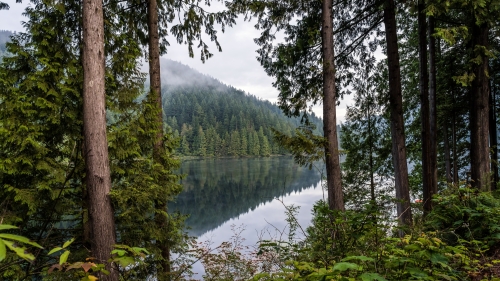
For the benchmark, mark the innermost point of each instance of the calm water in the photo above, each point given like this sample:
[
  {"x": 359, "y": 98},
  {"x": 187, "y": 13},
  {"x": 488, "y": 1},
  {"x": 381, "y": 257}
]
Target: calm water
[{"x": 219, "y": 193}]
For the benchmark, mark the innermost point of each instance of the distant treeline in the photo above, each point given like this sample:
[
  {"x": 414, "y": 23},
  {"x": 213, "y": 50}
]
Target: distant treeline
[
  {"x": 213, "y": 119},
  {"x": 224, "y": 122}
]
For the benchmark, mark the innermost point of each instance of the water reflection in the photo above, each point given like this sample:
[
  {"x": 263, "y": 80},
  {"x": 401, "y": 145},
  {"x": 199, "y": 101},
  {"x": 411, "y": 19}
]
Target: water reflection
[{"x": 218, "y": 190}]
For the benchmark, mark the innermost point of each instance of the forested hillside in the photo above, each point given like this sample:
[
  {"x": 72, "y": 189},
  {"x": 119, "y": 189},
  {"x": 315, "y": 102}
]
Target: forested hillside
[{"x": 214, "y": 119}]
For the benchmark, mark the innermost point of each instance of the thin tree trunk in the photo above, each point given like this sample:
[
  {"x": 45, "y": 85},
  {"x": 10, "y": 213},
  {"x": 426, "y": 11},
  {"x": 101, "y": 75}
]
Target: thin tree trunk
[
  {"x": 397, "y": 124},
  {"x": 372, "y": 172},
  {"x": 98, "y": 176},
  {"x": 333, "y": 178},
  {"x": 493, "y": 138},
  {"x": 447, "y": 158},
  {"x": 479, "y": 122},
  {"x": 432, "y": 110},
  {"x": 424, "y": 107},
  {"x": 454, "y": 144},
  {"x": 155, "y": 90}
]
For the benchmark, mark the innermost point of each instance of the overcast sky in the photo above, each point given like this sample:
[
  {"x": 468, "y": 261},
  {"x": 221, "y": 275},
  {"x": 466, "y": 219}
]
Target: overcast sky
[{"x": 236, "y": 65}]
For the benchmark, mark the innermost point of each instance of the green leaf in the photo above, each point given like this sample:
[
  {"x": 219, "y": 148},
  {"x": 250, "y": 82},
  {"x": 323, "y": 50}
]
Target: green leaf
[
  {"x": 19, "y": 238},
  {"x": 56, "y": 249},
  {"x": 138, "y": 250},
  {"x": 438, "y": 258},
  {"x": 3, "y": 250},
  {"x": 67, "y": 243},
  {"x": 119, "y": 252},
  {"x": 124, "y": 261},
  {"x": 7, "y": 226},
  {"x": 343, "y": 266},
  {"x": 64, "y": 257},
  {"x": 371, "y": 276},
  {"x": 20, "y": 251}
]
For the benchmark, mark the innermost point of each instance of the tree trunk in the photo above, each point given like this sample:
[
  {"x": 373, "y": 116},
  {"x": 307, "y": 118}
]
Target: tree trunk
[
  {"x": 493, "y": 138},
  {"x": 447, "y": 158},
  {"x": 424, "y": 107},
  {"x": 397, "y": 124},
  {"x": 333, "y": 178},
  {"x": 98, "y": 177},
  {"x": 432, "y": 110},
  {"x": 454, "y": 144},
  {"x": 479, "y": 122},
  {"x": 155, "y": 90}
]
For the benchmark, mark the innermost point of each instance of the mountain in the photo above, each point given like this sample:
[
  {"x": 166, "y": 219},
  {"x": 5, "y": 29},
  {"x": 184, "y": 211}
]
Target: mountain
[{"x": 214, "y": 119}]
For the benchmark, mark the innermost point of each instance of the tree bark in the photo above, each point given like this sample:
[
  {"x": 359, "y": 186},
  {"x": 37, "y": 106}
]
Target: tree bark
[
  {"x": 397, "y": 124},
  {"x": 493, "y": 138},
  {"x": 98, "y": 177},
  {"x": 479, "y": 121},
  {"x": 447, "y": 158},
  {"x": 333, "y": 177},
  {"x": 432, "y": 110},
  {"x": 454, "y": 144},
  {"x": 424, "y": 108},
  {"x": 155, "y": 90}
]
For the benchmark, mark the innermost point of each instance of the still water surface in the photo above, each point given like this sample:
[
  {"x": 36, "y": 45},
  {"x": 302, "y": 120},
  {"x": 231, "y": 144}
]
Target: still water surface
[{"x": 220, "y": 193}]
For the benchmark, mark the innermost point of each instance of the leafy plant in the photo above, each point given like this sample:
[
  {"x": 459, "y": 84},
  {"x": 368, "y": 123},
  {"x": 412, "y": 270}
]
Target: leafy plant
[{"x": 11, "y": 241}]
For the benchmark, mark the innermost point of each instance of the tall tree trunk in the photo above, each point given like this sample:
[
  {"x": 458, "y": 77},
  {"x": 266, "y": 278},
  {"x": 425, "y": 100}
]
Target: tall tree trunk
[
  {"x": 432, "y": 110},
  {"x": 370, "y": 160},
  {"x": 98, "y": 176},
  {"x": 447, "y": 159},
  {"x": 479, "y": 122},
  {"x": 454, "y": 144},
  {"x": 333, "y": 178},
  {"x": 155, "y": 90},
  {"x": 397, "y": 124},
  {"x": 493, "y": 138},
  {"x": 424, "y": 107}
]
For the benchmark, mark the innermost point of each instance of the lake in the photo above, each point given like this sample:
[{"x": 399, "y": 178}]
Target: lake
[{"x": 220, "y": 193}]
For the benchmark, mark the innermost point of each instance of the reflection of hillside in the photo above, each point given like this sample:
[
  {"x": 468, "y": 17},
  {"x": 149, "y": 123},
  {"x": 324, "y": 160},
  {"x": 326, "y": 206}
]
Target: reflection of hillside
[{"x": 216, "y": 190}]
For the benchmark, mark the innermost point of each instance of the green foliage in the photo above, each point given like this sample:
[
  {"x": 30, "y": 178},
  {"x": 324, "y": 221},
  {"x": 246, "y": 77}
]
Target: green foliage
[
  {"x": 41, "y": 161},
  {"x": 464, "y": 214},
  {"x": 215, "y": 120},
  {"x": 11, "y": 241},
  {"x": 353, "y": 246}
]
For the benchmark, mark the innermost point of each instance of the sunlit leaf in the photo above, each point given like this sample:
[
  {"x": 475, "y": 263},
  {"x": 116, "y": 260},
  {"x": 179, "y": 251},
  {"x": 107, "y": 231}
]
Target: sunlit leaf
[
  {"x": 67, "y": 243},
  {"x": 7, "y": 226},
  {"x": 20, "y": 239},
  {"x": 3, "y": 250},
  {"x": 64, "y": 257}
]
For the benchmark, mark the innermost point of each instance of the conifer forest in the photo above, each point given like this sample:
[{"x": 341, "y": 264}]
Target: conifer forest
[{"x": 108, "y": 150}]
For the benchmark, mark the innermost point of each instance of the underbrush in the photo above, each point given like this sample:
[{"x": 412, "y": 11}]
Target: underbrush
[{"x": 458, "y": 240}]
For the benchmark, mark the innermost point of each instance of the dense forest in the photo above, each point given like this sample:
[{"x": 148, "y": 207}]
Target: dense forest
[
  {"x": 89, "y": 156},
  {"x": 213, "y": 119}
]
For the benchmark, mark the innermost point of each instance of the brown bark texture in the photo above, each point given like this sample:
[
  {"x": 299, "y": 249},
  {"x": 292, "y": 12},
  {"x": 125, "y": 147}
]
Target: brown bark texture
[
  {"x": 98, "y": 177},
  {"x": 432, "y": 110},
  {"x": 397, "y": 124},
  {"x": 155, "y": 84},
  {"x": 493, "y": 138},
  {"x": 333, "y": 177},
  {"x": 424, "y": 107},
  {"x": 479, "y": 121}
]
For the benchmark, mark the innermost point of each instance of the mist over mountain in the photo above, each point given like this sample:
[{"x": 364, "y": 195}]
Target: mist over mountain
[{"x": 214, "y": 119}]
